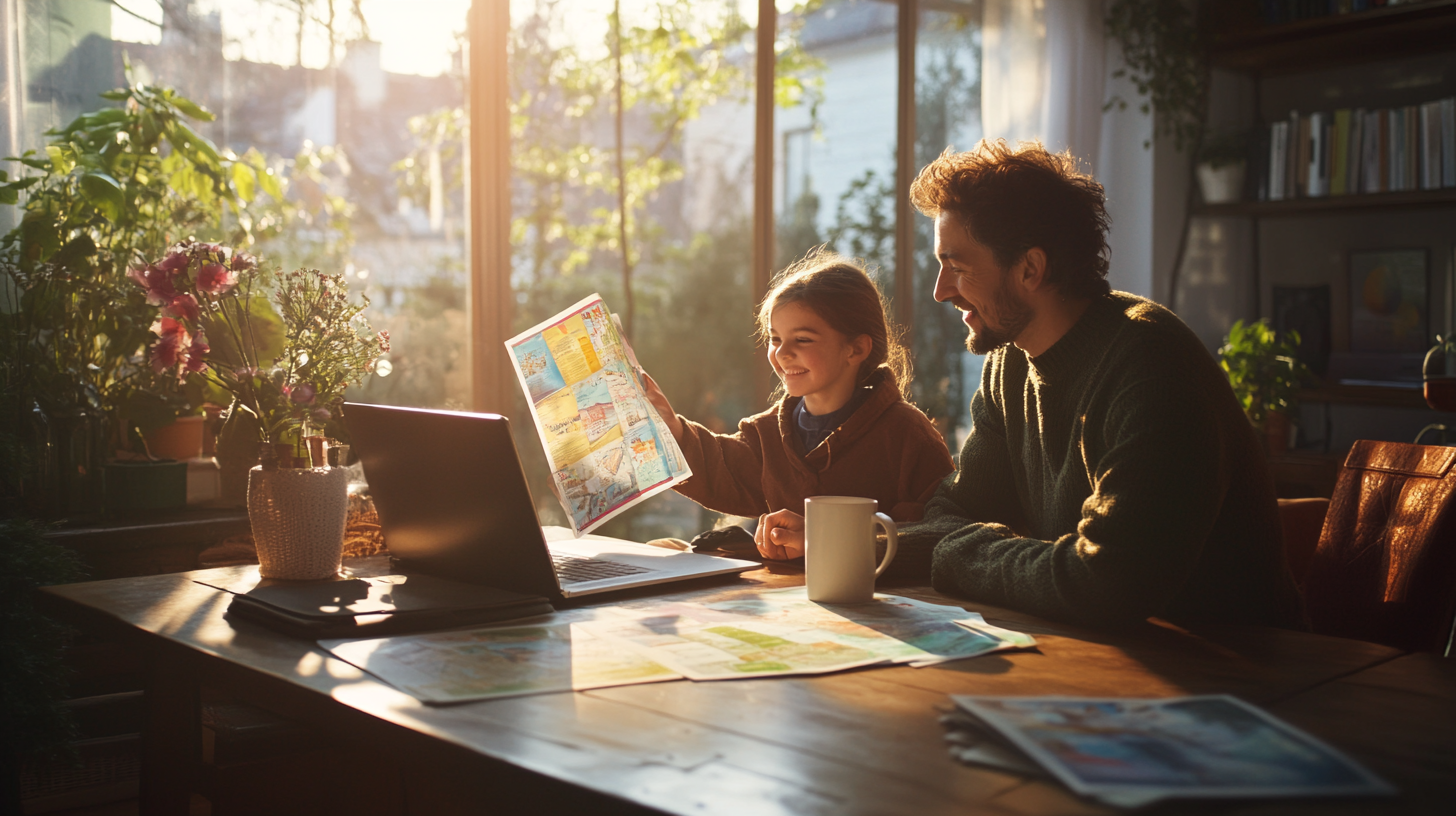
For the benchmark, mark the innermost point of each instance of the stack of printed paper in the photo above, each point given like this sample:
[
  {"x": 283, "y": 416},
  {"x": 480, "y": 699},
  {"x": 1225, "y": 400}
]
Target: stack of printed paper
[
  {"x": 1130, "y": 753},
  {"x": 714, "y": 635}
]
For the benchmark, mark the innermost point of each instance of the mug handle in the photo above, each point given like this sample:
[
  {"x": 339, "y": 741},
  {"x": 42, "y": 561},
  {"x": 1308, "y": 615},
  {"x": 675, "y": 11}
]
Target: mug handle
[{"x": 892, "y": 540}]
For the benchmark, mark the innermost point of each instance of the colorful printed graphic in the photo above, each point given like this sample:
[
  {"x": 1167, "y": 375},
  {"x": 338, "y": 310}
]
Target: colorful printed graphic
[{"x": 608, "y": 447}]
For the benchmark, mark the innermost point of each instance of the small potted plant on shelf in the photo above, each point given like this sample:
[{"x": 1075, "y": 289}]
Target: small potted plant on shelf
[
  {"x": 1265, "y": 376},
  {"x": 1222, "y": 159},
  {"x": 283, "y": 348}
]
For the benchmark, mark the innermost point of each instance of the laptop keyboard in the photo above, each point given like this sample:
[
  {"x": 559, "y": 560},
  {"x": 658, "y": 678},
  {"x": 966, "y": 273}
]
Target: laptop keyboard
[{"x": 575, "y": 569}]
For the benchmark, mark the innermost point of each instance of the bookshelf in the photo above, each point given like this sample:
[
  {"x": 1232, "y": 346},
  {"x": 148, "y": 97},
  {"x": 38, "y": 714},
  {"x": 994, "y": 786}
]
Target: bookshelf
[{"x": 1388, "y": 57}]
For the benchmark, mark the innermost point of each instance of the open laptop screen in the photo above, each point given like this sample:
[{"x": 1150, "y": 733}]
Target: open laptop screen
[{"x": 451, "y": 495}]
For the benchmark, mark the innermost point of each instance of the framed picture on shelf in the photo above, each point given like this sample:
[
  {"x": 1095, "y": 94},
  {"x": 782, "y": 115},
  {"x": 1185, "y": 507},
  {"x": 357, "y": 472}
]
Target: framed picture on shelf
[
  {"x": 1389, "y": 301},
  {"x": 1306, "y": 309}
]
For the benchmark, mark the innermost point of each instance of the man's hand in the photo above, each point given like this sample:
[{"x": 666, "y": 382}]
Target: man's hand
[
  {"x": 659, "y": 401},
  {"x": 780, "y": 535}
]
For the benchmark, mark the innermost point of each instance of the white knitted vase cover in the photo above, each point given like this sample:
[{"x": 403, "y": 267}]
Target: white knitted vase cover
[{"x": 298, "y": 520}]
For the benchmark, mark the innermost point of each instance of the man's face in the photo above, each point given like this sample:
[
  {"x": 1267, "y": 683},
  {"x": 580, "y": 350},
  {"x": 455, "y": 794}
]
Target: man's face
[{"x": 972, "y": 281}]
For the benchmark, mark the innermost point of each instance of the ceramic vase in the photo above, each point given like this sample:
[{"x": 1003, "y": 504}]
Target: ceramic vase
[
  {"x": 1221, "y": 185},
  {"x": 298, "y": 518}
]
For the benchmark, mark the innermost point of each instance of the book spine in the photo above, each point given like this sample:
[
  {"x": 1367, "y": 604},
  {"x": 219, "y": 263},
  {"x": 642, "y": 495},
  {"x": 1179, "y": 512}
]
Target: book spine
[
  {"x": 1315, "y": 183},
  {"x": 1370, "y": 164},
  {"x": 1278, "y": 149},
  {"x": 1448, "y": 144},
  {"x": 1431, "y": 146},
  {"x": 1386, "y": 129},
  {"x": 1412, "y": 148},
  {"x": 1301, "y": 184},
  {"x": 1292, "y": 152},
  {"x": 1339, "y": 145},
  {"x": 1397, "y": 151},
  {"x": 1355, "y": 152}
]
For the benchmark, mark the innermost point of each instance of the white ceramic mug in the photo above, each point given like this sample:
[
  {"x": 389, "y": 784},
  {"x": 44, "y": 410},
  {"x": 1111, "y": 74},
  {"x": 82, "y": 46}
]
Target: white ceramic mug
[{"x": 839, "y": 548}]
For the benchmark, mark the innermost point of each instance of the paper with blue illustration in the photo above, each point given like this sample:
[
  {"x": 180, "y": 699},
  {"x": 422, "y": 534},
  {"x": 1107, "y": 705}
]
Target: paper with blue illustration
[{"x": 608, "y": 447}]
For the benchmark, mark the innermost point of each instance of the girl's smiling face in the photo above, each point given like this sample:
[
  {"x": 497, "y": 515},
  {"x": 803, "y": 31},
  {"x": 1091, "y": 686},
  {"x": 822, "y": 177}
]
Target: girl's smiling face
[{"x": 815, "y": 361}]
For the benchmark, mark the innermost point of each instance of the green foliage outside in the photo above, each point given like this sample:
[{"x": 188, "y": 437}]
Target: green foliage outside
[
  {"x": 864, "y": 227},
  {"x": 1262, "y": 368}
]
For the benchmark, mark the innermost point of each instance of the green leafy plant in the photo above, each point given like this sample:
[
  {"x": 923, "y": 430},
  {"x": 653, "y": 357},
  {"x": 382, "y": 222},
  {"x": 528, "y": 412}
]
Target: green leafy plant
[
  {"x": 1262, "y": 369},
  {"x": 1224, "y": 148},
  {"x": 1165, "y": 57}
]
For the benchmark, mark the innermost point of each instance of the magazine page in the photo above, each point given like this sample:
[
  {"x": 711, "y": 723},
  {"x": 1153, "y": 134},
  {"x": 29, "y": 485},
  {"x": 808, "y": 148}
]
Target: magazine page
[
  {"x": 607, "y": 446},
  {"x": 1130, "y": 752}
]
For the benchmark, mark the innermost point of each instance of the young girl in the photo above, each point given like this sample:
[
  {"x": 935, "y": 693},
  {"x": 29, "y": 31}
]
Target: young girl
[{"x": 842, "y": 427}]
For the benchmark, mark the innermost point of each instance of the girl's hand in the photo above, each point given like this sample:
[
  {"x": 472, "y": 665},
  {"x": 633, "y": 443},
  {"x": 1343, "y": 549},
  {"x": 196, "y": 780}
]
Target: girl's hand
[
  {"x": 780, "y": 535},
  {"x": 659, "y": 401}
]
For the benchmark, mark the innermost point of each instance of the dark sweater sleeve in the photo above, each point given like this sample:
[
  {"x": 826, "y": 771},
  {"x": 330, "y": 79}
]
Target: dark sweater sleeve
[
  {"x": 727, "y": 468},
  {"x": 1158, "y": 479},
  {"x": 924, "y": 462},
  {"x": 980, "y": 490}
]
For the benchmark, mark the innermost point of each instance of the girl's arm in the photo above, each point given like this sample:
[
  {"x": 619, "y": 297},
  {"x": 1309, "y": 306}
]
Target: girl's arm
[{"x": 727, "y": 468}]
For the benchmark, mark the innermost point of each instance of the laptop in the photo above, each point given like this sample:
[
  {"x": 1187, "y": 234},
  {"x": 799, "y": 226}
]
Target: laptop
[{"x": 452, "y": 501}]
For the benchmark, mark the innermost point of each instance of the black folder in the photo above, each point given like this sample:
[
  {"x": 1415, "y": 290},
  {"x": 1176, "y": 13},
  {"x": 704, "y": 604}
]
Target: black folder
[{"x": 380, "y": 606}]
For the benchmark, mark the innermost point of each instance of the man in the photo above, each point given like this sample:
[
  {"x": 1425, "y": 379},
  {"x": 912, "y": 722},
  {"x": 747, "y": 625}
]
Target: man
[{"x": 1110, "y": 474}]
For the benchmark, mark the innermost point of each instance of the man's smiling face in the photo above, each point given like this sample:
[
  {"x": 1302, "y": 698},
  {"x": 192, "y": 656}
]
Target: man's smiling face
[{"x": 971, "y": 280}]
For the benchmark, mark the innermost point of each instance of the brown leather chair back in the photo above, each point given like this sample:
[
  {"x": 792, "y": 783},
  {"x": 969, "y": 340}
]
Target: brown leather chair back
[
  {"x": 1302, "y": 521},
  {"x": 1385, "y": 568}
]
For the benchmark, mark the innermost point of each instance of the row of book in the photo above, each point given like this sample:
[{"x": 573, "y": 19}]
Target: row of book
[{"x": 1360, "y": 151}]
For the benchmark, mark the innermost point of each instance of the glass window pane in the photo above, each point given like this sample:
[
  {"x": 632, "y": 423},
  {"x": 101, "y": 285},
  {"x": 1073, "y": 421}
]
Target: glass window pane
[
  {"x": 947, "y": 113},
  {"x": 673, "y": 263}
]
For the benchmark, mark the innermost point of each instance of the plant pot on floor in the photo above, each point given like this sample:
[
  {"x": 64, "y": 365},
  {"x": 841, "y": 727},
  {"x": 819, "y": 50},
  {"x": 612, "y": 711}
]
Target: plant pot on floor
[{"x": 298, "y": 515}]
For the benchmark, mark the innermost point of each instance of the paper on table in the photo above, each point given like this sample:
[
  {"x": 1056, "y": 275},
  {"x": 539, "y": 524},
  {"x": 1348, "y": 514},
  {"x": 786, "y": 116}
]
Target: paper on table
[
  {"x": 480, "y": 664},
  {"x": 781, "y": 632},
  {"x": 1130, "y": 752},
  {"x": 608, "y": 447}
]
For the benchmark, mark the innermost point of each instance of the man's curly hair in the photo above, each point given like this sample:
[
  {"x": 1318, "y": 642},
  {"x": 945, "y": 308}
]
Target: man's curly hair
[{"x": 1013, "y": 199}]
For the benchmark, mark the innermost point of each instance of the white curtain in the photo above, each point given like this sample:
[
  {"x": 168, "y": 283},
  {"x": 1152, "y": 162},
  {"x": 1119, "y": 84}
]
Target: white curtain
[{"x": 1044, "y": 71}]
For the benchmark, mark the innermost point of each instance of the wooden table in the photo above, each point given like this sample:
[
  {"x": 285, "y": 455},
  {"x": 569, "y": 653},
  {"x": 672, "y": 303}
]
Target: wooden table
[{"x": 859, "y": 742}]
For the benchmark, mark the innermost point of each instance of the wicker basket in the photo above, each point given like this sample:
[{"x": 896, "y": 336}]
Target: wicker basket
[{"x": 298, "y": 520}]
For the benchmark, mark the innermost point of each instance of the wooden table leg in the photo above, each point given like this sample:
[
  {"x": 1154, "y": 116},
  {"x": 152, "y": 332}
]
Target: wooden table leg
[{"x": 171, "y": 741}]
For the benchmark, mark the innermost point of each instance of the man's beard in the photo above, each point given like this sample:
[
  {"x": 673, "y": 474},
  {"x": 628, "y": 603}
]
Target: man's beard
[{"x": 1011, "y": 314}]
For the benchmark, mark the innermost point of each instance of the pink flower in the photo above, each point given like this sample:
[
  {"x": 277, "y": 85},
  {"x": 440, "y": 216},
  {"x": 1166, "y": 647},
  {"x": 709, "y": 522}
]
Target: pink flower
[
  {"x": 321, "y": 415},
  {"x": 302, "y": 393},
  {"x": 247, "y": 372},
  {"x": 157, "y": 282},
  {"x": 242, "y": 262},
  {"x": 172, "y": 346},
  {"x": 197, "y": 353},
  {"x": 216, "y": 279},
  {"x": 183, "y": 307},
  {"x": 384, "y": 342},
  {"x": 176, "y": 261}
]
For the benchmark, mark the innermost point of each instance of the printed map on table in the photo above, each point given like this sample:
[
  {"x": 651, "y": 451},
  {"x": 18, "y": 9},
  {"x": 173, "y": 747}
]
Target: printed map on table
[
  {"x": 479, "y": 664},
  {"x": 607, "y": 445},
  {"x": 781, "y": 632}
]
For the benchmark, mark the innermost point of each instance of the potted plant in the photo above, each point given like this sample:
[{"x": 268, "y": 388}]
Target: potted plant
[
  {"x": 1222, "y": 159},
  {"x": 112, "y": 187},
  {"x": 284, "y": 361},
  {"x": 1265, "y": 376}
]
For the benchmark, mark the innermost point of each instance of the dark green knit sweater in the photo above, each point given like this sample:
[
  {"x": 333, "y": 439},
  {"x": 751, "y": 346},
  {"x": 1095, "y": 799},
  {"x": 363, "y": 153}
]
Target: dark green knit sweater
[{"x": 1111, "y": 479}]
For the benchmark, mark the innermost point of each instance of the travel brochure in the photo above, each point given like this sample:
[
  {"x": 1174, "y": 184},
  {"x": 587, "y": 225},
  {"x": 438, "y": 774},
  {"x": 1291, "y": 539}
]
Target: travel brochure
[
  {"x": 607, "y": 446},
  {"x": 1132, "y": 752},
  {"x": 710, "y": 635}
]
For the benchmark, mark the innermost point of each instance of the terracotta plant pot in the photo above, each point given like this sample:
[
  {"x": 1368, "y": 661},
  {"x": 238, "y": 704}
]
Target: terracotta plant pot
[
  {"x": 182, "y": 440},
  {"x": 298, "y": 518}
]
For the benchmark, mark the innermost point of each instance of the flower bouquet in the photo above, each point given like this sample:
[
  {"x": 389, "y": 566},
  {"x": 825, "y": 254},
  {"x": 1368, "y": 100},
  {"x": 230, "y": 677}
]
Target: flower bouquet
[{"x": 285, "y": 362}]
